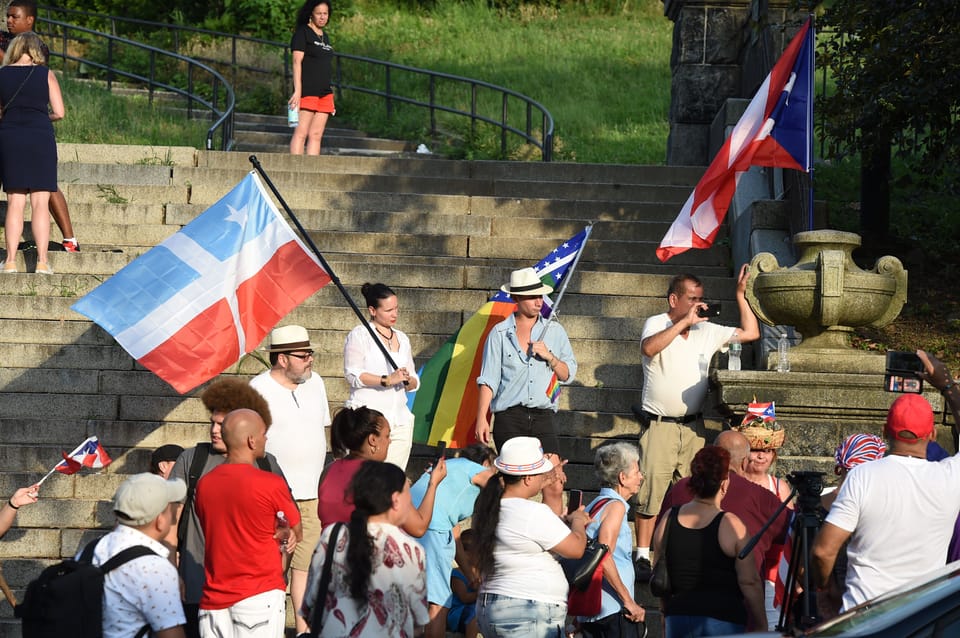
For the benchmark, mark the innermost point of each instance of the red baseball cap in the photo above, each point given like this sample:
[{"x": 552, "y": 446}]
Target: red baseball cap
[{"x": 910, "y": 419}]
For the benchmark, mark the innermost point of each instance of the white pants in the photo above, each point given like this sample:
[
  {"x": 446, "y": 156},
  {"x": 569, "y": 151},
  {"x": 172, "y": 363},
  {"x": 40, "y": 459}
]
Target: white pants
[
  {"x": 259, "y": 616},
  {"x": 401, "y": 440}
]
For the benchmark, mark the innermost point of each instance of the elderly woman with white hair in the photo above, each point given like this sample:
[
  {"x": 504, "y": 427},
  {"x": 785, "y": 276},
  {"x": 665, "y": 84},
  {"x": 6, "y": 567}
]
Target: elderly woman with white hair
[{"x": 617, "y": 467}]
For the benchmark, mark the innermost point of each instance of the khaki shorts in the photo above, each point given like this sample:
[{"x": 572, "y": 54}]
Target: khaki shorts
[
  {"x": 311, "y": 535},
  {"x": 666, "y": 449}
]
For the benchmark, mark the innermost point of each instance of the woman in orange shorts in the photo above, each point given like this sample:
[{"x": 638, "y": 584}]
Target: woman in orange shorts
[{"x": 312, "y": 63}]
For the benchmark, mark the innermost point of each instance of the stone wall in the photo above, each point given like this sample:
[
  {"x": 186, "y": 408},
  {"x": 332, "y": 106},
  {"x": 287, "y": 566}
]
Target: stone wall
[{"x": 720, "y": 51}]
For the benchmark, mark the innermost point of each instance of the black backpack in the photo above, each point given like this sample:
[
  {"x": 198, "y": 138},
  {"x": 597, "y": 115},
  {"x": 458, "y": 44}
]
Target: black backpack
[{"x": 67, "y": 598}]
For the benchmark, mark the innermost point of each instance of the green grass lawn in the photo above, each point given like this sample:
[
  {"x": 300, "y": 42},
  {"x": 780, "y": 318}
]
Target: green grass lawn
[{"x": 604, "y": 78}]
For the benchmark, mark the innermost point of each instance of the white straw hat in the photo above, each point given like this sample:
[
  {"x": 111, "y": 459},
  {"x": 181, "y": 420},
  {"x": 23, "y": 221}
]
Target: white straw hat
[
  {"x": 526, "y": 282},
  {"x": 522, "y": 456},
  {"x": 287, "y": 338}
]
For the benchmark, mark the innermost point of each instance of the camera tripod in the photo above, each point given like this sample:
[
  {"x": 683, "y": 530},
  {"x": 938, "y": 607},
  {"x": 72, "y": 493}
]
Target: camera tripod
[{"x": 806, "y": 488}]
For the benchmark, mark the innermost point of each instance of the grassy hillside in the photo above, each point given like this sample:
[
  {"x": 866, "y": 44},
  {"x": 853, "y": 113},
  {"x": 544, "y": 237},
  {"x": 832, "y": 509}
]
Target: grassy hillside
[{"x": 605, "y": 78}]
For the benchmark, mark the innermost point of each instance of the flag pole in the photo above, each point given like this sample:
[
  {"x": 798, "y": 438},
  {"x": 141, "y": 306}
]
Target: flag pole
[
  {"x": 566, "y": 280},
  {"x": 813, "y": 95},
  {"x": 333, "y": 277}
]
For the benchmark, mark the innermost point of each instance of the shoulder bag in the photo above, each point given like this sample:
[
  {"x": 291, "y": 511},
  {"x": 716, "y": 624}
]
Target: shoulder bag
[
  {"x": 320, "y": 602},
  {"x": 660, "y": 577},
  {"x": 585, "y": 574}
]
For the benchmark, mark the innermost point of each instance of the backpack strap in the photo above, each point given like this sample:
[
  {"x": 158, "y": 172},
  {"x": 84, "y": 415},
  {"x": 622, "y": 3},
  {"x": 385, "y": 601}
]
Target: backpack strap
[
  {"x": 86, "y": 556},
  {"x": 316, "y": 619},
  {"x": 125, "y": 556},
  {"x": 200, "y": 454}
]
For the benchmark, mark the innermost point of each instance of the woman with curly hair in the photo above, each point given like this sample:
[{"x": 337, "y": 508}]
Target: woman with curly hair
[
  {"x": 312, "y": 63},
  {"x": 377, "y": 583},
  {"x": 712, "y": 591}
]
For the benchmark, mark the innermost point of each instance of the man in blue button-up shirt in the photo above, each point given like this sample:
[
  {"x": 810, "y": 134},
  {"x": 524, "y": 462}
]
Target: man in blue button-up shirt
[{"x": 525, "y": 360}]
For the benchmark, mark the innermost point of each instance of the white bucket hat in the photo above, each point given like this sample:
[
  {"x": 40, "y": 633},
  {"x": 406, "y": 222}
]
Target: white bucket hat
[
  {"x": 522, "y": 456},
  {"x": 526, "y": 282}
]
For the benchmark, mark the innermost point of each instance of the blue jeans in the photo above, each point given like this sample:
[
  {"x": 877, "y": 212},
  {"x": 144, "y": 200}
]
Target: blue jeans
[
  {"x": 694, "y": 626},
  {"x": 507, "y": 617}
]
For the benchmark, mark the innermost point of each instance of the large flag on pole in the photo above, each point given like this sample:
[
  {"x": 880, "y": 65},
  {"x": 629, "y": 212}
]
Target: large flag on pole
[
  {"x": 190, "y": 307},
  {"x": 775, "y": 130},
  {"x": 445, "y": 406}
]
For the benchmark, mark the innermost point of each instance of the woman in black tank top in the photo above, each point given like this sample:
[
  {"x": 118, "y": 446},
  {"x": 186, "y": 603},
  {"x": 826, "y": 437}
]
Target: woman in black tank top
[{"x": 712, "y": 592}]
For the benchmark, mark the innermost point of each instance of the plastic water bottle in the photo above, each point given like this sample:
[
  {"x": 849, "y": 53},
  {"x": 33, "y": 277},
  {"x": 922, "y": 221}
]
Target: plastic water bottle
[
  {"x": 733, "y": 354},
  {"x": 293, "y": 116},
  {"x": 283, "y": 529},
  {"x": 783, "y": 354}
]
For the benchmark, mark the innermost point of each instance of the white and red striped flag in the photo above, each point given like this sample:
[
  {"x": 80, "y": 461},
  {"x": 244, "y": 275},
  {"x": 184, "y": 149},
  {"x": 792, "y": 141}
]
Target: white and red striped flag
[{"x": 775, "y": 130}]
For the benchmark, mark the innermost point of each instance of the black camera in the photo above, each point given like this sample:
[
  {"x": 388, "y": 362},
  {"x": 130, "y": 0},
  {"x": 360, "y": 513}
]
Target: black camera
[
  {"x": 712, "y": 310},
  {"x": 809, "y": 485}
]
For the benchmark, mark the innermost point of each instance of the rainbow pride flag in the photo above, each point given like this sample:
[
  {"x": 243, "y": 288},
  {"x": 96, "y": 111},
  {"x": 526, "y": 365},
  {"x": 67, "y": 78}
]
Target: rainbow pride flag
[{"x": 445, "y": 405}]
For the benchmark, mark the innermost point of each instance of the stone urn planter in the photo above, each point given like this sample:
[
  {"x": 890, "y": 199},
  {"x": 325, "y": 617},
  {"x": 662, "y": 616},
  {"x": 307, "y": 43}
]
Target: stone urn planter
[{"x": 825, "y": 295}]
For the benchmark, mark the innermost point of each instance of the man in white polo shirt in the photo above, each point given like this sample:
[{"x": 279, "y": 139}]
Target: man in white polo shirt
[
  {"x": 677, "y": 347},
  {"x": 298, "y": 404}
]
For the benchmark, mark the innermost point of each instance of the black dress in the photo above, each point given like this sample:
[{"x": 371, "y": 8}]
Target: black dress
[{"x": 28, "y": 149}]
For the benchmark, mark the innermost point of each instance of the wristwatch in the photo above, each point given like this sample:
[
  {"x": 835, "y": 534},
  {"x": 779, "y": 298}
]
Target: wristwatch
[{"x": 383, "y": 380}]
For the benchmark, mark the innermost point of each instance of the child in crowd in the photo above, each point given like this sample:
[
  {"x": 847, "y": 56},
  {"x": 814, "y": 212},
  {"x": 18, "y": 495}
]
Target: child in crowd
[{"x": 462, "y": 618}]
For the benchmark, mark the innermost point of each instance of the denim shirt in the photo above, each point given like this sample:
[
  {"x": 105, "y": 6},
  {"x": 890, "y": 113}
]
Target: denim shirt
[
  {"x": 519, "y": 379},
  {"x": 610, "y": 603}
]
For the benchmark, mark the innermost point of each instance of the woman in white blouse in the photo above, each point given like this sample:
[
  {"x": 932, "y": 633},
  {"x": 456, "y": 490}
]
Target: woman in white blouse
[{"x": 373, "y": 382}]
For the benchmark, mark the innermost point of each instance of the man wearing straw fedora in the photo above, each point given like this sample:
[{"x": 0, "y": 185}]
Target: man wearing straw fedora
[
  {"x": 677, "y": 347},
  {"x": 298, "y": 404},
  {"x": 525, "y": 360}
]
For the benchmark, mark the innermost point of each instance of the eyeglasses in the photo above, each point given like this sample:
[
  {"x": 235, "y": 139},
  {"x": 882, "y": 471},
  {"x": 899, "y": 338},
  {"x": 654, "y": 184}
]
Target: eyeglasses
[{"x": 302, "y": 357}]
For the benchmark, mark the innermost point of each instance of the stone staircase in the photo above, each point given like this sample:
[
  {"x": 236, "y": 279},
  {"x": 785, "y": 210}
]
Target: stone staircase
[
  {"x": 443, "y": 234},
  {"x": 270, "y": 134}
]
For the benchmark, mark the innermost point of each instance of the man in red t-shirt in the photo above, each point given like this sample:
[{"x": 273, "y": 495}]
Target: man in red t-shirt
[{"x": 238, "y": 505}]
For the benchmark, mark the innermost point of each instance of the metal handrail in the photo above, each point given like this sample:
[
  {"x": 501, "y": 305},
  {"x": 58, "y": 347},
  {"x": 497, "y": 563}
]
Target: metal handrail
[
  {"x": 532, "y": 110},
  {"x": 59, "y": 33}
]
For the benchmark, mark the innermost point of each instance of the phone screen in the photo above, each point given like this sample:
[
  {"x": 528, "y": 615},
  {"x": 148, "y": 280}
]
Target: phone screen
[
  {"x": 574, "y": 501},
  {"x": 904, "y": 362}
]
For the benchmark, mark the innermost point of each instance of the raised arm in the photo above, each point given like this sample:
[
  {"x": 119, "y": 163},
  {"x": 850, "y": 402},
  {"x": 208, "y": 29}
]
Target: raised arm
[
  {"x": 936, "y": 374},
  {"x": 749, "y": 326}
]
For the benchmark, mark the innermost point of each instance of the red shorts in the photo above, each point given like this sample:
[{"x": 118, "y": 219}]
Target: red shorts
[{"x": 318, "y": 104}]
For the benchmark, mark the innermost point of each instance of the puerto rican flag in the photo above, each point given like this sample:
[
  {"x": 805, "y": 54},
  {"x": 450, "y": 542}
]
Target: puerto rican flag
[
  {"x": 88, "y": 454},
  {"x": 775, "y": 130},
  {"x": 190, "y": 307}
]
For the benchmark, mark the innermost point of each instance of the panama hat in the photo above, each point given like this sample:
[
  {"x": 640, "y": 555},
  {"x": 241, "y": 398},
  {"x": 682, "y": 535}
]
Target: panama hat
[
  {"x": 526, "y": 282},
  {"x": 522, "y": 456},
  {"x": 288, "y": 338}
]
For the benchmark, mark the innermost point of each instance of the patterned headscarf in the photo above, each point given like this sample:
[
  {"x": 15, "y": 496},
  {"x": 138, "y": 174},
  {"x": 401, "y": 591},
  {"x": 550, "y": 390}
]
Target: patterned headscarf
[{"x": 857, "y": 449}]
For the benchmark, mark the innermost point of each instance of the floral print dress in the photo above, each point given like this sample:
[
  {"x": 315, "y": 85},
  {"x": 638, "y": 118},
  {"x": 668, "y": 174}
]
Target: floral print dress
[{"x": 396, "y": 595}]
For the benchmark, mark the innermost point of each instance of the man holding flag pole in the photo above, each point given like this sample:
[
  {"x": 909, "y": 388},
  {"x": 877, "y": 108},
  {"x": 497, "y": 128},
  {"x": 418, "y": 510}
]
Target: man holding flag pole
[{"x": 524, "y": 363}]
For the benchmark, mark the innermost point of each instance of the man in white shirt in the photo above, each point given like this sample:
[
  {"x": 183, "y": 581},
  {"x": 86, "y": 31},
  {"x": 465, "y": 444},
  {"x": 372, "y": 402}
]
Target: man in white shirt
[
  {"x": 677, "y": 347},
  {"x": 146, "y": 590},
  {"x": 898, "y": 512},
  {"x": 298, "y": 404}
]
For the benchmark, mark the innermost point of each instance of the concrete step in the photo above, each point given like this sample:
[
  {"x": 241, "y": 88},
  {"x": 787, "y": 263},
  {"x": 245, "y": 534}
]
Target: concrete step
[
  {"x": 480, "y": 169},
  {"x": 332, "y": 139}
]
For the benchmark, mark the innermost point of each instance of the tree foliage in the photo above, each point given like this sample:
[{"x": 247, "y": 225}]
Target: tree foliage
[{"x": 897, "y": 76}]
